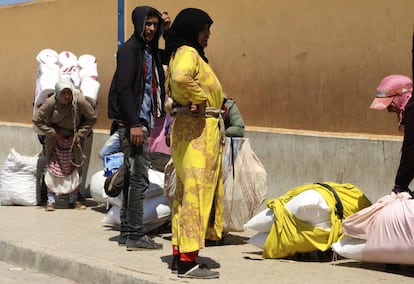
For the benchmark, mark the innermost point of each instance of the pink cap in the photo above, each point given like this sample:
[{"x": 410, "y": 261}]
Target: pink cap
[{"x": 389, "y": 88}]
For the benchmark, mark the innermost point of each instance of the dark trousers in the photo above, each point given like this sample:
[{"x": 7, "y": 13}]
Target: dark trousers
[{"x": 136, "y": 159}]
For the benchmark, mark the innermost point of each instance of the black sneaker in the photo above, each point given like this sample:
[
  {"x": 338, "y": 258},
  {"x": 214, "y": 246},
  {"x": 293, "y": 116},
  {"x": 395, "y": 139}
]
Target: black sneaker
[
  {"x": 144, "y": 242},
  {"x": 198, "y": 272},
  {"x": 122, "y": 239}
]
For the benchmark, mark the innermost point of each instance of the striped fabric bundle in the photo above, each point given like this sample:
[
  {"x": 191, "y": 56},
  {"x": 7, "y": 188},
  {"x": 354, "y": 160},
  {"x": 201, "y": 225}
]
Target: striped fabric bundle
[{"x": 60, "y": 163}]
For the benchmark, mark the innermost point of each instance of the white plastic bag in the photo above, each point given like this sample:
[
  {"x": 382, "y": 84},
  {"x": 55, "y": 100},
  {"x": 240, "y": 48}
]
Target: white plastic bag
[{"x": 18, "y": 180}]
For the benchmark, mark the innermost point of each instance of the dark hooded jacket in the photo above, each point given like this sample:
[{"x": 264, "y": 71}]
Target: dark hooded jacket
[{"x": 127, "y": 88}]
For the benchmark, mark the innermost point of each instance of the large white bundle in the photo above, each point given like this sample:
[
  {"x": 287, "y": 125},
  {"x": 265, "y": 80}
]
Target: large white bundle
[
  {"x": 156, "y": 183},
  {"x": 86, "y": 60},
  {"x": 52, "y": 65},
  {"x": 98, "y": 194},
  {"x": 48, "y": 69},
  {"x": 310, "y": 206},
  {"x": 261, "y": 222},
  {"x": 156, "y": 213},
  {"x": 18, "y": 180},
  {"x": 245, "y": 183},
  {"x": 68, "y": 67},
  {"x": 90, "y": 90},
  {"x": 97, "y": 187},
  {"x": 67, "y": 62},
  {"x": 41, "y": 96},
  {"x": 87, "y": 67},
  {"x": 47, "y": 75},
  {"x": 112, "y": 217},
  {"x": 349, "y": 247},
  {"x": 47, "y": 56}
]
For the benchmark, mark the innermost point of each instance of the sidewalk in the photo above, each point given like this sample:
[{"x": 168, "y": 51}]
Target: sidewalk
[{"x": 75, "y": 245}]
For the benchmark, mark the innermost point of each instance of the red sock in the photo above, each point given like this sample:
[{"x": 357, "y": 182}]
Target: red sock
[
  {"x": 175, "y": 250},
  {"x": 189, "y": 256}
]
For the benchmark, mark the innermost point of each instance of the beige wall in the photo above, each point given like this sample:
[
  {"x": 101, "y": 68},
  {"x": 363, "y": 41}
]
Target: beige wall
[
  {"x": 80, "y": 26},
  {"x": 295, "y": 64}
]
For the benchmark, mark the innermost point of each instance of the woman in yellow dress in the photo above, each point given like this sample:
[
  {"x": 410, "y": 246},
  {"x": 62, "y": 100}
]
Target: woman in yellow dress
[{"x": 196, "y": 144}]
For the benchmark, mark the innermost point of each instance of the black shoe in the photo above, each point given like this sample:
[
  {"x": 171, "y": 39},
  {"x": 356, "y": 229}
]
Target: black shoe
[
  {"x": 76, "y": 205},
  {"x": 174, "y": 263},
  {"x": 144, "y": 242},
  {"x": 122, "y": 239},
  {"x": 195, "y": 271}
]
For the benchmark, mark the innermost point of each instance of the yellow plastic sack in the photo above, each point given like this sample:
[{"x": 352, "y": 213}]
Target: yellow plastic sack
[{"x": 289, "y": 235}]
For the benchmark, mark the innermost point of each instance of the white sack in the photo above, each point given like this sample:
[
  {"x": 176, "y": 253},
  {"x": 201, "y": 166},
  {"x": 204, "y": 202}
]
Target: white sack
[
  {"x": 18, "y": 180},
  {"x": 156, "y": 183},
  {"x": 47, "y": 56},
  {"x": 112, "y": 217},
  {"x": 98, "y": 194},
  {"x": 259, "y": 239},
  {"x": 86, "y": 61},
  {"x": 156, "y": 213},
  {"x": 87, "y": 66},
  {"x": 261, "y": 222},
  {"x": 97, "y": 187},
  {"x": 41, "y": 96},
  {"x": 91, "y": 72},
  {"x": 349, "y": 247},
  {"x": 47, "y": 76},
  {"x": 309, "y": 206},
  {"x": 67, "y": 62},
  {"x": 90, "y": 90},
  {"x": 68, "y": 67},
  {"x": 62, "y": 185}
]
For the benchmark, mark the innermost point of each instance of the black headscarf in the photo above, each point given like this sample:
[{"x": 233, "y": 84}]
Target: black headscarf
[{"x": 185, "y": 29}]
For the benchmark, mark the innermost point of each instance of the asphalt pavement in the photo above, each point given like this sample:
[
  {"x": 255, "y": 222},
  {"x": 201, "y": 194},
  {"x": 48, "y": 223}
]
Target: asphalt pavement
[{"x": 76, "y": 245}]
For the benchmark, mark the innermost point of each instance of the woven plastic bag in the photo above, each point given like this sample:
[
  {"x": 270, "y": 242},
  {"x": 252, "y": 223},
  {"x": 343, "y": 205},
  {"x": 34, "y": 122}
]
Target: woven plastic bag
[
  {"x": 245, "y": 183},
  {"x": 18, "y": 180}
]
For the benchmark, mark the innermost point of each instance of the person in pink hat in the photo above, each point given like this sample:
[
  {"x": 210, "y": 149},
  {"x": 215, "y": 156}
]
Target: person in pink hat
[{"x": 394, "y": 94}]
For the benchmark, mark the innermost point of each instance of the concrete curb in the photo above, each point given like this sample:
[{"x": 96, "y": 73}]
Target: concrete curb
[{"x": 70, "y": 267}]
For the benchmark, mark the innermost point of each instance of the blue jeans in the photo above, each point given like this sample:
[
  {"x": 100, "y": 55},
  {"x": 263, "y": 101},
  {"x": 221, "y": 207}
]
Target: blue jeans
[
  {"x": 111, "y": 146},
  {"x": 136, "y": 159}
]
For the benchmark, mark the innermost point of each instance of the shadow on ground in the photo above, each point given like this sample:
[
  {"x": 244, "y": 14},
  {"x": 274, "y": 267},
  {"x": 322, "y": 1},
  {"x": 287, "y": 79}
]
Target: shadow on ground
[{"x": 404, "y": 270}]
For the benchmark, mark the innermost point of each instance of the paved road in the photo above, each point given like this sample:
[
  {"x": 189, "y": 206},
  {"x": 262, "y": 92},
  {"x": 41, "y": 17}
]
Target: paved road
[
  {"x": 74, "y": 244},
  {"x": 12, "y": 274}
]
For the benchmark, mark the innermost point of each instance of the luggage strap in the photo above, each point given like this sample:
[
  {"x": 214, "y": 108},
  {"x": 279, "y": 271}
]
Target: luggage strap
[{"x": 339, "y": 207}]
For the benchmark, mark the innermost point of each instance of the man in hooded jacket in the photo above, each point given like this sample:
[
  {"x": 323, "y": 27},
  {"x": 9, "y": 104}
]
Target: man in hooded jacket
[{"x": 135, "y": 100}]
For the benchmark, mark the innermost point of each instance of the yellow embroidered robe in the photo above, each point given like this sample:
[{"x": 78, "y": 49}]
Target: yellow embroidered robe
[{"x": 197, "y": 210}]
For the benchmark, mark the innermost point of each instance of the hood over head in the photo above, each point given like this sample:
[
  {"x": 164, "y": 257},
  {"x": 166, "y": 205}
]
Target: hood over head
[
  {"x": 63, "y": 83},
  {"x": 139, "y": 17}
]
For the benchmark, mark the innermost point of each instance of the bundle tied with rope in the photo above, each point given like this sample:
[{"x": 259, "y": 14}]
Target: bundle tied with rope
[
  {"x": 64, "y": 169},
  {"x": 76, "y": 138}
]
